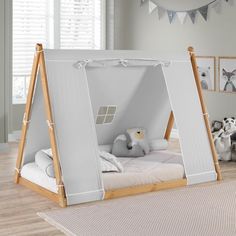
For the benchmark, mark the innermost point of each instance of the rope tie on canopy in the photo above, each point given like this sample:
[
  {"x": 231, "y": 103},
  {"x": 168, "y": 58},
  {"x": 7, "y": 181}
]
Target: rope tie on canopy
[
  {"x": 60, "y": 185},
  {"x": 81, "y": 64},
  {"x": 123, "y": 62},
  {"x": 17, "y": 170},
  {"x": 206, "y": 114},
  {"x": 38, "y": 51},
  {"x": 25, "y": 121},
  {"x": 50, "y": 124}
]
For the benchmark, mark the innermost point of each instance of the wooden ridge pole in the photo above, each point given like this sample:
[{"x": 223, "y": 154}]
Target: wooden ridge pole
[
  {"x": 48, "y": 109},
  {"x": 204, "y": 110}
]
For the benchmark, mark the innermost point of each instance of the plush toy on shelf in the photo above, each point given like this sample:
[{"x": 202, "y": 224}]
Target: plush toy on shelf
[{"x": 224, "y": 134}]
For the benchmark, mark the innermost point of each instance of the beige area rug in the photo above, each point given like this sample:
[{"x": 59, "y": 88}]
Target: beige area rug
[{"x": 196, "y": 210}]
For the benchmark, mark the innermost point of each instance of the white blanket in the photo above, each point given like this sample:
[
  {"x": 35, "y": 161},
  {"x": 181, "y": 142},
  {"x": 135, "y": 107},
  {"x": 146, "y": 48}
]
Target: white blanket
[{"x": 109, "y": 162}]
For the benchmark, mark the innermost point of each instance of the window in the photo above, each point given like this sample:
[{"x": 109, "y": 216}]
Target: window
[
  {"x": 106, "y": 115},
  {"x": 57, "y": 24}
]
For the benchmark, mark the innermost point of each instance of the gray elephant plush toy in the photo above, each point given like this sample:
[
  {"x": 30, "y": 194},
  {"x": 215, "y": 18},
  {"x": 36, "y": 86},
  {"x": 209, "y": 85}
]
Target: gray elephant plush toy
[{"x": 131, "y": 144}]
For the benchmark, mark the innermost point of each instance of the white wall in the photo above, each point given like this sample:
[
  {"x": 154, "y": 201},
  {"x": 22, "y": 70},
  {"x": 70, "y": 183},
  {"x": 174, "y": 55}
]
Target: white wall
[{"x": 136, "y": 29}]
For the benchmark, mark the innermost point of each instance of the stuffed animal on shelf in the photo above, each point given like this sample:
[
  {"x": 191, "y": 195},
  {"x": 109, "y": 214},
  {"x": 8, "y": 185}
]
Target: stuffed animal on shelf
[
  {"x": 133, "y": 143},
  {"x": 225, "y": 138},
  {"x": 223, "y": 146},
  {"x": 216, "y": 126},
  {"x": 229, "y": 125},
  {"x": 138, "y": 136}
]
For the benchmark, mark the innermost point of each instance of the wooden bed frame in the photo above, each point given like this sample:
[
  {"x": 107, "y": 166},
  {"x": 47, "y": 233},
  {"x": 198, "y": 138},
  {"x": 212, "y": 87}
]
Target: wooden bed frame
[{"x": 60, "y": 197}]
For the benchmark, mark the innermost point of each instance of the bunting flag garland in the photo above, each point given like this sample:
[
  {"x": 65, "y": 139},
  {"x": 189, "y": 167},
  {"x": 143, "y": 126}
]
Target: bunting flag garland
[
  {"x": 171, "y": 15},
  {"x": 204, "y": 11},
  {"x": 192, "y": 15},
  {"x": 161, "y": 12},
  {"x": 152, "y": 7},
  {"x": 182, "y": 15}
]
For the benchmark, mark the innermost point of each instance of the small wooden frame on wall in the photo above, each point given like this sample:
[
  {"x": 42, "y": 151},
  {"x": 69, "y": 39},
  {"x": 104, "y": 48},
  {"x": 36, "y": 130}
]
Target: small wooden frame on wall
[
  {"x": 207, "y": 72},
  {"x": 227, "y": 74}
]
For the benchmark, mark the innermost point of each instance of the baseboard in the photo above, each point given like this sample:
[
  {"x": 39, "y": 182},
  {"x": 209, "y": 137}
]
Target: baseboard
[
  {"x": 174, "y": 134},
  {"x": 14, "y": 136}
]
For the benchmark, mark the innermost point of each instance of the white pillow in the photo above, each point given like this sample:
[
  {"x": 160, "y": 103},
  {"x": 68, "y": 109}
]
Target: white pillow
[
  {"x": 158, "y": 144},
  {"x": 45, "y": 162},
  {"x": 105, "y": 148}
]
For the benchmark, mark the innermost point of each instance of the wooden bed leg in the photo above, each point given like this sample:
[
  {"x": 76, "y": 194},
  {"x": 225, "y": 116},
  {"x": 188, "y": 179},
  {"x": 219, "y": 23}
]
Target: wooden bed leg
[
  {"x": 27, "y": 115},
  {"x": 205, "y": 113},
  {"x": 169, "y": 126}
]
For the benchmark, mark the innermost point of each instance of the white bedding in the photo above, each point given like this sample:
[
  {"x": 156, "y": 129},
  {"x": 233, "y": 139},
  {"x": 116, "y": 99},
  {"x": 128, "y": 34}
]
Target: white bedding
[{"x": 155, "y": 167}]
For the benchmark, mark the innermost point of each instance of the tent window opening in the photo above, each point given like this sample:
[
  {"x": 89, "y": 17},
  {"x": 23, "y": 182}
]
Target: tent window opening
[
  {"x": 106, "y": 115},
  {"x": 67, "y": 24}
]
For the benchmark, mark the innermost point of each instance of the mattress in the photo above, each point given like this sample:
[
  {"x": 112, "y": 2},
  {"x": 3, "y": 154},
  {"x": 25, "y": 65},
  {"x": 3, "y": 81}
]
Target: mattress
[
  {"x": 153, "y": 168},
  {"x": 156, "y": 167}
]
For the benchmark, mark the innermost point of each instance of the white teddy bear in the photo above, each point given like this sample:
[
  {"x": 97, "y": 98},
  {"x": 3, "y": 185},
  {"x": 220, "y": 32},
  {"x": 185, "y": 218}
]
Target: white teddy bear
[{"x": 138, "y": 137}]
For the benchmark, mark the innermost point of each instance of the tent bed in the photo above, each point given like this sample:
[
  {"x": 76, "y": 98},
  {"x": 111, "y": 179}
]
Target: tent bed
[
  {"x": 156, "y": 167},
  {"x": 107, "y": 93}
]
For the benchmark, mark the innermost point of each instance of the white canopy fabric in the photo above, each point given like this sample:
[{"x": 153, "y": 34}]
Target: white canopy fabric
[{"x": 143, "y": 89}]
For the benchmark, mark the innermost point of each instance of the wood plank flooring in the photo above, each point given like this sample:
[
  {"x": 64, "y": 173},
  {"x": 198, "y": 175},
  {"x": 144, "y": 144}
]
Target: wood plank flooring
[{"x": 19, "y": 206}]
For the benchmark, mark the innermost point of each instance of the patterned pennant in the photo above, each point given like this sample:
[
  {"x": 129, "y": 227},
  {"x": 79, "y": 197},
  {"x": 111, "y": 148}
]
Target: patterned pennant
[
  {"x": 181, "y": 16},
  {"x": 171, "y": 15},
  {"x": 217, "y": 6},
  {"x": 152, "y": 6},
  {"x": 192, "y": 15},
  {"x": 204, "y": 12},
  {"x": 161, "y": 12}
]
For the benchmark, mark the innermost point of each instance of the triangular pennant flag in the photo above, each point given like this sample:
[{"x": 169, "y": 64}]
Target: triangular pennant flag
[
  {"x": 181, "y": 16},
  {"x": 204, "y": 12},
  {"x": 192, "y": 15},
  {"x": 216, "y": 6},
  {"x": 171, "y": 15},
  {"x": 161, "y": 12},
  {"x": 152, "y": 6}
]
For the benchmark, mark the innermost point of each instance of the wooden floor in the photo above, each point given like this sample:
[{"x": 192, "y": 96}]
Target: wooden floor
[{"x": 19, "y": 206}]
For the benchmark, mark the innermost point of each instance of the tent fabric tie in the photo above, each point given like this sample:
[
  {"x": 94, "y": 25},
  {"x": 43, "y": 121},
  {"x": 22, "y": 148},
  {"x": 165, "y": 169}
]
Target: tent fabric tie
[
  {"x": 124, "y": 62},
  {"x": 25, "y": 121},
  {"x": 206, "y": 114},
  {"x": 17, "y": 170},
  {"x": 50, "y": 124}
]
